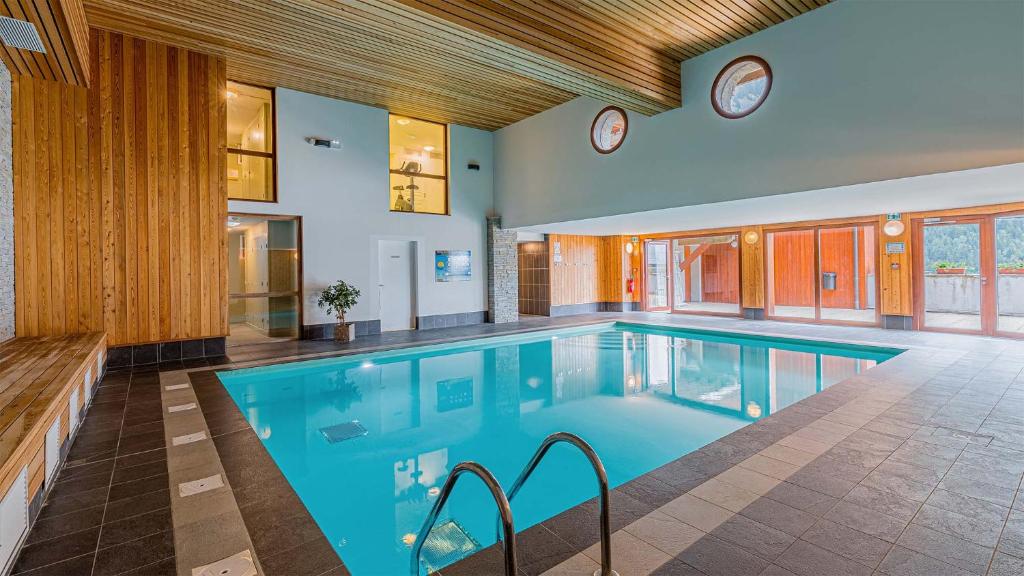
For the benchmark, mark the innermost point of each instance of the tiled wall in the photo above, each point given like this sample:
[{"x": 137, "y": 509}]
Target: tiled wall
[
  {"x": 534, "y": 279},
  {"x": 6, "y": 210}
]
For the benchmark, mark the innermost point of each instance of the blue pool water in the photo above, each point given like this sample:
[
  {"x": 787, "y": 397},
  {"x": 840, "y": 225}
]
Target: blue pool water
[{"x": 641, "y": 396}]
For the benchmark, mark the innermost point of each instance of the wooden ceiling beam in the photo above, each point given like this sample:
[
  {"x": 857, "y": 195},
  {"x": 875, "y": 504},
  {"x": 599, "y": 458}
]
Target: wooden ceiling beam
[{"x": 62, "y": 27}]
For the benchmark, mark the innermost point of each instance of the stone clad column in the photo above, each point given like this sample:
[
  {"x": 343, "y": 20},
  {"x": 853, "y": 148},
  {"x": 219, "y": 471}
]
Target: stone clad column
[
  {"x": 502, "y": 273},
  {"x": 6, "y": 210}
]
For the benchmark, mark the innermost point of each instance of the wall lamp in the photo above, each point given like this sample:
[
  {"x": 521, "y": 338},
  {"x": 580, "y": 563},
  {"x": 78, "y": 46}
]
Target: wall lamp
[{"x": 894, "y": 228}]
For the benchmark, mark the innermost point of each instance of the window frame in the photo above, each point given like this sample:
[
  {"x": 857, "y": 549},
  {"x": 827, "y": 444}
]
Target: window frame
[
  {"x": 625, "y": 129},
  {"x": 255, "y": 153},
  {"x": 721, "y": 76},
  {"x": 445, "y": 178}
]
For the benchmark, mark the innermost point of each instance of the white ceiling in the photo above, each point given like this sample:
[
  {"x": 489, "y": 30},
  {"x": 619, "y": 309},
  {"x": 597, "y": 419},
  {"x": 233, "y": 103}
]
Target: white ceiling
[{"x": 978, "y": 187}]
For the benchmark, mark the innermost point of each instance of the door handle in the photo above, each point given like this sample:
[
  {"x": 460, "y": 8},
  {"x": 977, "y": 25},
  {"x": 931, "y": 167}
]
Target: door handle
[{"x": 984, "y": 280}]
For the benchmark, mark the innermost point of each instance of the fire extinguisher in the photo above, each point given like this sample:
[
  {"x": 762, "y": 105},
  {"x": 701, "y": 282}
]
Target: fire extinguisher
[{"x": 630, "y": 283}]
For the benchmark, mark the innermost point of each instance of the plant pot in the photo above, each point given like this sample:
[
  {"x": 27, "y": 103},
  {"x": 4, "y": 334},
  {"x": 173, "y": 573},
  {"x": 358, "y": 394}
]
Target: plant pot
[
  {"x": 345, "y": 332},
  {"x": 951, "y": 271}
]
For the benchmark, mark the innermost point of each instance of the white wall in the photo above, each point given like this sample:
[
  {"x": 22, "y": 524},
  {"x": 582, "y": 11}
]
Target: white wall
[
  {"x": 342, "y": 197},
  {"x": 863, "y": 91}
]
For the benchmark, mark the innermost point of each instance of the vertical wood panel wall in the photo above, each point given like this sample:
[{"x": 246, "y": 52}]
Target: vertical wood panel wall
[
  {"x": 121, "y": 197},
  {"x": 752, "y": 268},
  {"x": 591, "y": 269},
  {"x": 895, "y": 272},
  {"x": 575, "y": 277}
]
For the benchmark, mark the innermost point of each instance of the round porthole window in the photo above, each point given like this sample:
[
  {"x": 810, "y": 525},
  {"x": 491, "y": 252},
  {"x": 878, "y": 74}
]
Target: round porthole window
[
  {"x": 741, "y": 87},
  {"x": 609, "y": 129}
]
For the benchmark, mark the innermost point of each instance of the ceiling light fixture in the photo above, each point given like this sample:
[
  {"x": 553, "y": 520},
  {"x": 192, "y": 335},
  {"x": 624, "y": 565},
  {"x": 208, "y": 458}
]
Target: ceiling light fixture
[
  {"x": 402, "y": 121},
  {"x": 428, "y": 148}
]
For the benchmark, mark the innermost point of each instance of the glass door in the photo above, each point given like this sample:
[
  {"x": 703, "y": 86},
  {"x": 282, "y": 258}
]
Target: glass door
[
  {"x": 658, "y": 279},
  {"x": 264, "y": 278},
  {"x": 792, "y": 267},
  {"x": 1009, "y": 273},
  {"x": 706, "y": 274},
  {"x": 953, "y": 285},
  {"x": 846, "y": 259},
  {"x": 824, "y": 274}
]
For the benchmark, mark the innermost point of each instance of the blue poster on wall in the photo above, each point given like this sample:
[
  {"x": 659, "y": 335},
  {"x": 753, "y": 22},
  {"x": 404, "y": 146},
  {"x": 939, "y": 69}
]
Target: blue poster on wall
[{"x": 452, "y": 266}]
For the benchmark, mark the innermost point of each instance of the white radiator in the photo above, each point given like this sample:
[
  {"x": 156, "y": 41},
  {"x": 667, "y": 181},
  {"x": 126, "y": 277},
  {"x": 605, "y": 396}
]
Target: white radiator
[
  {"x": 73, "y": 412},
  {"x": 88, "y": 385},
  {"x": 52, "y": 450},
  {"x": 13, "y": 519}
]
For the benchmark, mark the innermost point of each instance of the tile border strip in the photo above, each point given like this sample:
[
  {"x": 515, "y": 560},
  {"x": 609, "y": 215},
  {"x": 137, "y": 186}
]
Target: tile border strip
[{"x": 207, "y": 527}]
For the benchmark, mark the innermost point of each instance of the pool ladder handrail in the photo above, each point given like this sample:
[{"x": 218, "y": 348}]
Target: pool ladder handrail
[
  {"x": 602, "y": 480},
  {"x": 504, "y": 512}
]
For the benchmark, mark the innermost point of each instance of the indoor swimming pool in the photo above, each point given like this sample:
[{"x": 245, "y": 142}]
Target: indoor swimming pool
[{"x": 367, "y": 441}]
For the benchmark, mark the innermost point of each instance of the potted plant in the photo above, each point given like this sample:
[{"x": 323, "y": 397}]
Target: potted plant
[
  {"x": 339, "y": 298},
  {"x": 1012, "y": 267},
  {"x": 950, "y": 268}
]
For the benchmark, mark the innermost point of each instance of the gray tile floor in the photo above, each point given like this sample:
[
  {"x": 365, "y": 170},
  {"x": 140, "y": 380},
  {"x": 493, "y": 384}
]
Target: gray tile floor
[{"x": 913, "y": 467}]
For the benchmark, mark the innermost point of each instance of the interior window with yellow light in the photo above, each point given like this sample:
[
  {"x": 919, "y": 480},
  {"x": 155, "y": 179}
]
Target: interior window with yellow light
[
  {"x": 418, "y": 162},
  {"x": 250, "y": 143}
]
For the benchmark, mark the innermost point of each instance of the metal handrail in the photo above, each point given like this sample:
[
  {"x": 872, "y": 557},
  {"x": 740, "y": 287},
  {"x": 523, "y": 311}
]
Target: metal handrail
[
  {"x": 504, "y": 511},
  {"x": 602, "y": 480}
]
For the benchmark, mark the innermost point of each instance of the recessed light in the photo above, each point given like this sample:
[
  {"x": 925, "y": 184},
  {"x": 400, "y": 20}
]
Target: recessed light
[
  {"x": 428, "y": 148},
  {"x": 402, "y": 121}
]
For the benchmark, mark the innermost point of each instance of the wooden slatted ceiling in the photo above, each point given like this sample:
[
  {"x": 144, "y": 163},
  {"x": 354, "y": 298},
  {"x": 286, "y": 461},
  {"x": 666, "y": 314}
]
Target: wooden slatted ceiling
[
  {"x": 62, "y": 27},
  {"x": 482, "y": 63},
  {"x": 120, "y": 197}
]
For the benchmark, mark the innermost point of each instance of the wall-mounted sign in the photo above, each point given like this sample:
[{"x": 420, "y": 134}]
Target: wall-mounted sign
[
  {"x": 895, "y": 247},
  {"x": 556, "y": 252},
  {"x": 893, "y": 216},
  {"x": 452, "y": 266}
]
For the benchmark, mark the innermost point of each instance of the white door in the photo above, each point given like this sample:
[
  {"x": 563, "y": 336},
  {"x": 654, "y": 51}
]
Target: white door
[{"x": 397, "y": 269}]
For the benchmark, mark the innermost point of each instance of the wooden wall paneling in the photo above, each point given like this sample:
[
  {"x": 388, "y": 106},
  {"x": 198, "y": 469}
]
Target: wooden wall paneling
[
  {"x": 120, "y": 196},
  {"x": 752, "y": 269},
  {"x": 895, "y": 271},
  {"x": 574, "y": 279},
  {"x": 611, "y": 269},
  {"x": 593, "y": 269}
]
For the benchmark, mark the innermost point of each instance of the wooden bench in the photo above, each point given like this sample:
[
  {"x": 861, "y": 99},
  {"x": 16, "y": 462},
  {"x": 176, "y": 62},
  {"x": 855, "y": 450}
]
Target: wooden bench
[{"x": 46, "y": 384}]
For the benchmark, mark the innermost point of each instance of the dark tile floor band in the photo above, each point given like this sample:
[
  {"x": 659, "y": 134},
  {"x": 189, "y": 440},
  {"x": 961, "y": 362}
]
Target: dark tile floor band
[{"x": 109, "y": 510}]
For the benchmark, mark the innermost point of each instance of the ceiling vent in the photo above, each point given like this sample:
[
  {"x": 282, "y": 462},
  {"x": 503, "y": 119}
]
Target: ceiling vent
[{"x": 20, "y": 34}]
